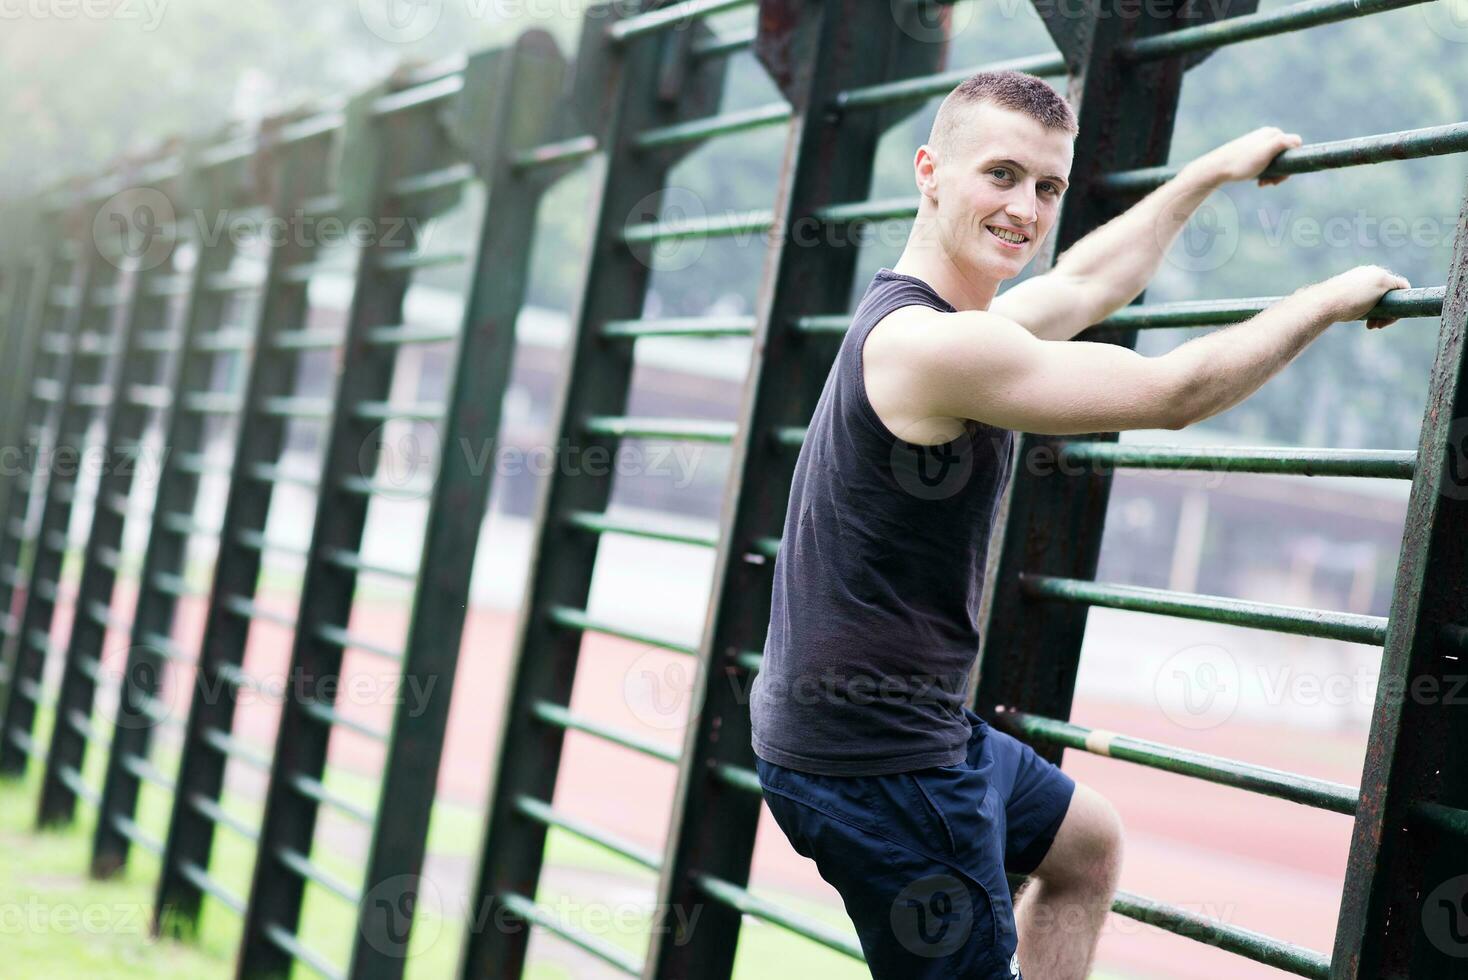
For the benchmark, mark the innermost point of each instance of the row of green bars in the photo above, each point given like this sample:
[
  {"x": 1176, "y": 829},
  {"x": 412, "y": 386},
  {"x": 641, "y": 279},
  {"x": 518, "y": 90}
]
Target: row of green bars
[{"x": 644, "y": 92}]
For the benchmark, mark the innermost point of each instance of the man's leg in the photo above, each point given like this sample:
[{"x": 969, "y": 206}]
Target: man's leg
[{"x": 1060, "y": 911}]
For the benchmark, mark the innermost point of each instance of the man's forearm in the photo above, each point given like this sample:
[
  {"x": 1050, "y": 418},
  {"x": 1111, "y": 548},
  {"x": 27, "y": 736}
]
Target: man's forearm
[
  {"x": 1124, "y": 253},
  {"x": 1222, "y": 368}
]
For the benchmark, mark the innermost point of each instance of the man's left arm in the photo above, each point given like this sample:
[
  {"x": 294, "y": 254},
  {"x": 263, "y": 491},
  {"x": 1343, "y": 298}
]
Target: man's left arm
[{"x": 1108, "y": 268}]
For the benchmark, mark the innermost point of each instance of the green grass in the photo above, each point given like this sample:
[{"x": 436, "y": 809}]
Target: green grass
[{"x": 55, "y": 917}]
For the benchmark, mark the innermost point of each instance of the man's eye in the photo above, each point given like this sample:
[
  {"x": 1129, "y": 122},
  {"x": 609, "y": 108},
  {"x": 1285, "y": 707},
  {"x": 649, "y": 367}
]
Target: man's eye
[{"x": 998, "y": 170}]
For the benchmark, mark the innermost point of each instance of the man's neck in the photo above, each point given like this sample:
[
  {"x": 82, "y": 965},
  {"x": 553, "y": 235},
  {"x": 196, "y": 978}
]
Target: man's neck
[{"x": 963, "y": 289}]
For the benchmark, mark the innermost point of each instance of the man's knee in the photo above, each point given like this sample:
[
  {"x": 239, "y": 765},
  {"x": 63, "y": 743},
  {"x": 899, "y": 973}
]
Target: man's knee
[{"x": 1087, "y": 850}]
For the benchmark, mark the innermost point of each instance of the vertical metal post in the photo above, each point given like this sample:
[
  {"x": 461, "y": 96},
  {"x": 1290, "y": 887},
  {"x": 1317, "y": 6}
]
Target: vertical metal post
[
  {"x": 1053, "y": 522},
  {"x": 404, "y": 145},
  {"x": 1404, "y": 910},
  {"x": 132, "y": 397},
  {"x": 624, "y": 85},
  {"x": 509, "y": 104},
  {"x": 183, "y": 879},
  {"x": 214, "y": 189},
  {"x": 816, "y": 51},
  {"x": 92, "y": 348},
  {"x": 26, "y": 258},
  {"x": 56, "y": 274}
]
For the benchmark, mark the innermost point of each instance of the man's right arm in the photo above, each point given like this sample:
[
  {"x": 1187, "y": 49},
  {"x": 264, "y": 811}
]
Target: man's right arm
[{"x": 983, "y": 366}]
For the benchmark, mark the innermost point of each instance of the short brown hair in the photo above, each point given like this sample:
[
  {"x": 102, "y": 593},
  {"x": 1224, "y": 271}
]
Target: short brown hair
[{"x": 1015, "y": 90}]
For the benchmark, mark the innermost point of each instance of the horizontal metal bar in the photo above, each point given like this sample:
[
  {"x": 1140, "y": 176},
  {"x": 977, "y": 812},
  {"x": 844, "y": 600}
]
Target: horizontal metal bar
[
  {"x": 732, "y": 223},
  {"x": 718, "y": 125},
  {"x": 229, "y": 339},
  {"x": 330, "y": 716},
  {"x": 628, "y": 427},
  {"x": 353, "y": 561},
  {"x": 420, "y": 95},
  {"x": 329, "y": 202},
  {"x": 564, "y": 151},
  {"x": 420, "y": 260},
  {"x": 249, "y": 608},
  {"x": 1350, "y": 627},
  {"x": 388, "y": 336},
  {"x": 83, "y": 726},
  {"x": 602, "y": 524},
  {"x": 1233, "y": 939},
  {"x": 206, "y": 884},
  {"x": 323, "y": 124},
  {"x": 314, "y": 789},
  {"x": 296, "y": 407},
  {"x": 453, "y": 175},
  {"x": 542, "y": 813},
  {"x": 222, "y": 817},
  {"x": 685, "y": 326},
  {"x": 315, "y": 338},
  {"x": 1248, "y": 27},
  {"x": 149, "y": 396},
  {"x": 749, "y": 903},
  {"x": 23, "y": 741},
  {"x": 201, "y": 465},
  {"x": 232, "y": 747},
  {"x": 256, "y": 541},
  {"x": 419, "y": 411},
  {"x": 102, "y": 614},
  {"x": 231, "y": 282},
  {"x": 275, "y": 473},
  {"x": 877, "y": 209},
  {"x": 929, "y": 86},
  {"x": 73, "y": 781},
  {"x": 212, "y": 402},
  {"x": 577, "y": 619},
  {"x": 1321, "y": 793},
  {"x": 1448, "y": 819},
  {"x": 1410, "y": 144},
  {"x": 303, "y": 866},
  {"x": 669, "y": 17},
  {"x": 559, "y": 716},
  {"x": 1400, "y": 303},
  {"x": 185, "y": 524},
  {"x": 165, "y": 647},
  {"x": 343, "y": 638},
  {"x": 157, "y": 712},
  {"x": 304, "y": 272},
  {"x": 235, "y": 676},
  {"x": 600, "y": 948},
  {"x": 300, "y": 952},
  {"x": 1386, "y": 464},
  {"x": 739, "y": 777},
  {"x": 145, "y": 770},
  {"x": 367, "y": 488},
  {"x": 137, "y": 835}
]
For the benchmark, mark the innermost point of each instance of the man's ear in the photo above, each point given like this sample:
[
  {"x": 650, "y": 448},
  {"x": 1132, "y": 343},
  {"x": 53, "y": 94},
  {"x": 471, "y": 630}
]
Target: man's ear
[{"x": 925, "y": 172}]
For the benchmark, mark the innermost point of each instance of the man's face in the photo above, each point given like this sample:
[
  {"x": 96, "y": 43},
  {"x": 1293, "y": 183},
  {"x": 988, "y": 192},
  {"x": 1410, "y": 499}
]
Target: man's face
[{"x": 1003, "y": 178}]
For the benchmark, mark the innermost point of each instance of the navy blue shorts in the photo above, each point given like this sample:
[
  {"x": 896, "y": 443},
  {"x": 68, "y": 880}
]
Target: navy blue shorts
[{"x": 920, "y": 857}]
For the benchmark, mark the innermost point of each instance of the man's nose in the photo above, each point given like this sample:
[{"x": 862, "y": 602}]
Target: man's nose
[{"x": 1021, "y": 207}]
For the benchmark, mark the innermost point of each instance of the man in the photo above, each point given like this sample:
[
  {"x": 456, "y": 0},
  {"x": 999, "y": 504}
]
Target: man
[{"x": 871, "y": 762}]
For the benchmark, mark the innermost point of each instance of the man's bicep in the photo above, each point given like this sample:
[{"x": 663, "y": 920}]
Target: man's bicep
[
  {"x": 994, "y": 371},
  {"x": 1052, "y": 306}
]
